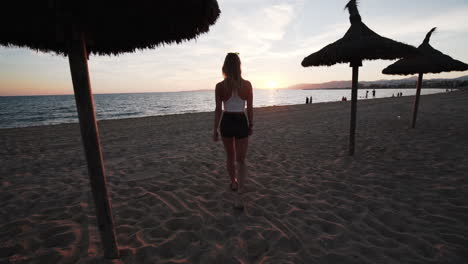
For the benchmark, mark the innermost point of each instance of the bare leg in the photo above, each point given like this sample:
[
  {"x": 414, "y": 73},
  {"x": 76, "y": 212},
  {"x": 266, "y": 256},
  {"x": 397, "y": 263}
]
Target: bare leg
[
  {"x": 229, "y": 146},
  {"x": 241, "y": 151}
]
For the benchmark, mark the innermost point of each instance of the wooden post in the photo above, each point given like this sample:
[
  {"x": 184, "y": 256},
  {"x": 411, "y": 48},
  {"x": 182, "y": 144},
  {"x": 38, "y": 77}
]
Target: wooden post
[
  {"x": 354, "y": 92},
  {"x": 416, "y": 100},
  {"x": 90, "y": 137}
]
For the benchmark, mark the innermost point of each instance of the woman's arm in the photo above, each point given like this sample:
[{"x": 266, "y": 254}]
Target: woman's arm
[
  {"x": 250, "y": 108},
  {"x": 218, "y": 112}
]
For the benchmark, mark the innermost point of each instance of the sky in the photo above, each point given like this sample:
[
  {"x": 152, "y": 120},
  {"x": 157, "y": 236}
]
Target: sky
[{"x": 271, "y": 36}]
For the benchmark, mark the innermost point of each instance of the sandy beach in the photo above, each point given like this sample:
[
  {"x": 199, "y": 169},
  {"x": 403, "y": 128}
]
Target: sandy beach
[{"x": 401, "y": 199}]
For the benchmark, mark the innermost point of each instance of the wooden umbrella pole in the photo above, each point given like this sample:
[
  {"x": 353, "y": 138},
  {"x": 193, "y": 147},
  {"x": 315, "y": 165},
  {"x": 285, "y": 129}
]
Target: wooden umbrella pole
[
  {"x": 354, "y": 92},
  {"x": 90, "y": 136},
  {"x": 416, "y": 100}
]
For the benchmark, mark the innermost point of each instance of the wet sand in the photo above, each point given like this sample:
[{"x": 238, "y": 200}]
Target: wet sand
[{"x": 401, "y": 199}]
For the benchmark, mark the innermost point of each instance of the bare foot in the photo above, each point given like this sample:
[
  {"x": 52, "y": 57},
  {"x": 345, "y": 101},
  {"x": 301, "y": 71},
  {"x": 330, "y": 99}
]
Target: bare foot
[{"x": 234, "y": 186}]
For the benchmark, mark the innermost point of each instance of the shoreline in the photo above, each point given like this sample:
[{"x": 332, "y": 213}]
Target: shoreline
[
  {"x": 385, "y": 88},
  {"x": 212, "y": 90},
  {"x": 129, "y": 118}
]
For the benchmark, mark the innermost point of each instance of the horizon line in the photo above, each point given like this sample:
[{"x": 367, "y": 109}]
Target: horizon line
[{"x": 278, "y": 88}]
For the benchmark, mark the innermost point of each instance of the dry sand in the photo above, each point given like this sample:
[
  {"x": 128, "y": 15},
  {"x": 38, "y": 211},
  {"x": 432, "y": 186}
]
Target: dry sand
[{"x": 401, "y": 199}]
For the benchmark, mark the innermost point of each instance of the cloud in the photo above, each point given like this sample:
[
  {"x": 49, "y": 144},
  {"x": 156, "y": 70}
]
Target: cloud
[
  {"x": 451, "y": 21},
  {"x": 267, "y": 25},
  {"x": 252, "y": 32},
  {"x": 272, "y": 36},
  {"x": 407, "y": 29}
]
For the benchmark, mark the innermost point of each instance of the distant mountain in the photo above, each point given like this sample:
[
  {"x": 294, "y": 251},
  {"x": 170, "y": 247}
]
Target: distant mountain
[
  {"x": 383, "y": 82},
  {"x": 463, "y": 78},
  {"x": 333, "y": 84},
  {"x": 400, "y": 83}
]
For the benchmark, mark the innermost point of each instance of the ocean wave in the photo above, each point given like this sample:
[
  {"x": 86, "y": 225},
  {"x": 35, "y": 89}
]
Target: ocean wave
[
  {"x": 43, "y": 110},
  {"x": 124, "y": 114}
]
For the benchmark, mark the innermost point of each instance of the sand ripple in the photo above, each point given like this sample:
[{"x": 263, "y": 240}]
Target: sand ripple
[{"x": 401, "y": 199}]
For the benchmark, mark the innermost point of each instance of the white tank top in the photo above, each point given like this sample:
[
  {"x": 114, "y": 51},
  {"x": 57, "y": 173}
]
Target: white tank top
[{"x": 234, "y": 103}]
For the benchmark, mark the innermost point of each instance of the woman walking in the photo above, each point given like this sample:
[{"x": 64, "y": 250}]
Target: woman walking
[{"x": 234, "y": 93}]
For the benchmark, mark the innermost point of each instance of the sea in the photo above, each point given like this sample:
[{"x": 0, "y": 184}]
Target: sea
[{"x": 25, "y": 111}]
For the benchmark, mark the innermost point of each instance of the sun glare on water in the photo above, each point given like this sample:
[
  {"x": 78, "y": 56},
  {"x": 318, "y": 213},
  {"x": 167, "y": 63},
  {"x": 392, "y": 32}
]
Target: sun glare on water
[{"x": 272, "y": 85}]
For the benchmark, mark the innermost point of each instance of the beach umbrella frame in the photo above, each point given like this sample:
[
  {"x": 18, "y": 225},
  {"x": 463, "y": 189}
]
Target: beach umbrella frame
[
  {"x": 416, "y": 99},
  {"x": 78, "y": 60},
  {"x": 358, "y": 44},
  {"x": 77, "y": 28},
  {"x": 429, "y": 60}
]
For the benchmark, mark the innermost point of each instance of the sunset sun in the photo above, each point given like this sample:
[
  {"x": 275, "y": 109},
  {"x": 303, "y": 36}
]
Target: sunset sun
[{"x": 272, "y": 85}]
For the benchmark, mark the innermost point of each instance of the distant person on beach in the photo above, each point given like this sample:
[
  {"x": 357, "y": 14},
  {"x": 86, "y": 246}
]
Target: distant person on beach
[
  {"x": 307, "y": 100},
  {"x": 373, "y": 93},
  {"x": 310, "y": 101},
  {"x": 235, "y": 126},
  {"x": 367, "y": 93}
]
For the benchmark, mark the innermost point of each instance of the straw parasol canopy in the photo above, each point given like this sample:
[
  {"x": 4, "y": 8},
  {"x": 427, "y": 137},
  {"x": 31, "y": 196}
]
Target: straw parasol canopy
[
  {"x": 358, "y": 44},
  {"x": 429, "y": 60},
  {"x": 109, "y": 27},
  {"x": 76, "y": 28}
]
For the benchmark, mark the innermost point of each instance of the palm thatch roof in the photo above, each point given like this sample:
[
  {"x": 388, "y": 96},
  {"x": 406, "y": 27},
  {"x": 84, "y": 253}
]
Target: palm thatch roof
[
  {"x": 429, "y": 60},
  {"x": 359, "y": 43},
  {"x": 109, "y": 27}
]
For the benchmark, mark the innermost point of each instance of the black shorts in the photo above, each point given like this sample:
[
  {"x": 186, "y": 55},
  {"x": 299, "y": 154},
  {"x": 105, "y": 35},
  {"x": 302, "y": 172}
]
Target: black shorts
[{"x": 234, "y": 125}]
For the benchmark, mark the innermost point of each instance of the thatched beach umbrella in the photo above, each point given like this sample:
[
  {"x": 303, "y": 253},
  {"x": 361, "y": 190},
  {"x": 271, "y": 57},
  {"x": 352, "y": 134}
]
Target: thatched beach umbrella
[
  {"x": 429, "y": 60},
  {"x": 78, "y": 28},
  {"x": 358, "y": 44}
]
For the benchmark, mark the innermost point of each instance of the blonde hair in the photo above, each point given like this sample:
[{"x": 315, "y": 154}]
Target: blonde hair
[{"x": 232, "y": 66}]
